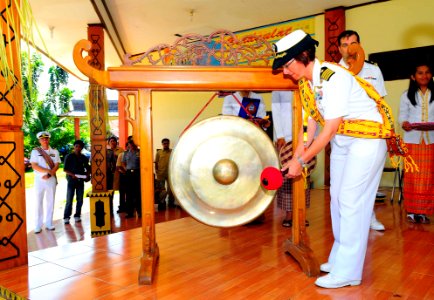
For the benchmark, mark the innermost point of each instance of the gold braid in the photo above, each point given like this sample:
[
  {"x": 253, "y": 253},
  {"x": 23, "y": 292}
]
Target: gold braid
[{"x": 365, "y": 128}]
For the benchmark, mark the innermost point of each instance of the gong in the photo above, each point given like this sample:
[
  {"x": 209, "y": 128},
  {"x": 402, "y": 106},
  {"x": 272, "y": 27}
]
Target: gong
[{"x": 215, "y": 171}]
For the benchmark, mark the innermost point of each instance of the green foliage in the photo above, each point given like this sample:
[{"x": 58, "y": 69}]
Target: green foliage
[
  {"x": 64, "y": 99},
  {"x": 42, "y": 114},
  {"x": 61, "y": 130},
  {"x": 32, "y": 67},
  {"x": 58, "y": 96}
]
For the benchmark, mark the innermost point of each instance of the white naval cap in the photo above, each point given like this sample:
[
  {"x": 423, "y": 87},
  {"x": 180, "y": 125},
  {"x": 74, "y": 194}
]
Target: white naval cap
[{"x": 290, "y": 46}]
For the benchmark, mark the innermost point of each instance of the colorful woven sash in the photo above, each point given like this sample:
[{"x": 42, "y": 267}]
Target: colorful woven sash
[{"x": 364, "y": 128}]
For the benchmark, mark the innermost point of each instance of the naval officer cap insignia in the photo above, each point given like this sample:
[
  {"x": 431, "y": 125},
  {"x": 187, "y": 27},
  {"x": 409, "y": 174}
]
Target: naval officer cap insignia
[
  {"x": 290, "y": 46},
  {"x": 43, "y": 134}
]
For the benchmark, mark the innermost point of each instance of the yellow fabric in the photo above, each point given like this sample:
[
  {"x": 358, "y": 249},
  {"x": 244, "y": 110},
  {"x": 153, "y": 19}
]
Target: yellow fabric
[{"x": 365, "y": 128}]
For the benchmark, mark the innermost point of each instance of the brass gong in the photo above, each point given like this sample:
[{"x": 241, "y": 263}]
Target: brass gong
[{"x": 215, "y": 170}]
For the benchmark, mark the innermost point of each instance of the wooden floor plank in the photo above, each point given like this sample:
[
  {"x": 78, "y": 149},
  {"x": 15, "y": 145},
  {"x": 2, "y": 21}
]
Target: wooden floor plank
[{"x": 202, "y": 262}]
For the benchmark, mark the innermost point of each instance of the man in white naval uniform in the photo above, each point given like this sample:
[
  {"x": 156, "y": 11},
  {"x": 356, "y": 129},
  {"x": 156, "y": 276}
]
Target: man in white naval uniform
[
  {"x": 45, "y": 162},
  {"x": 372, "y": 74},
  {"x": 335, "y": 98}
]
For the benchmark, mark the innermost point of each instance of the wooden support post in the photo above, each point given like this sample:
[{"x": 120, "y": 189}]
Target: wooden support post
[
  {"x": 123, "y": 124},
  {"x": 150, "y": 248},
  {"x": 334, "y": 20},
  {"x": 97, "y": 112},
  {"x": 297, "y": 246},
  {"x": 13, "y": 229},
  {"x": 77, "y": 128}
]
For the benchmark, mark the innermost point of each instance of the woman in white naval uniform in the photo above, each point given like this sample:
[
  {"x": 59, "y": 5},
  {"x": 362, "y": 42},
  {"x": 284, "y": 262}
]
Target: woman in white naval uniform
[{"x": 356, "y": 163}]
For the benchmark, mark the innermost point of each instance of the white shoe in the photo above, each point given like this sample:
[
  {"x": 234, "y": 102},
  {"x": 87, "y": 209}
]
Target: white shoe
[
  {"x": 326, "y": 267},
  {"x": 376, "y": 225},
  {"x": 331, "y": 282},
  {"x": 50, "y": 228},
  {"x": 38, "y": 230}
]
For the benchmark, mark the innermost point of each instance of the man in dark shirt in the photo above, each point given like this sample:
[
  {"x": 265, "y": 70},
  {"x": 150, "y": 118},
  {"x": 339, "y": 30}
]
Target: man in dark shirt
[
  {"x": 77, "y": 171},
  {"x": 131, "y": 163}
]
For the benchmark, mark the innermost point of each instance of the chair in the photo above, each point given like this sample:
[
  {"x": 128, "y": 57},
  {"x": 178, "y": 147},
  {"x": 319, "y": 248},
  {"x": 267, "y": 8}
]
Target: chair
[{"x": 397, "y": 174}]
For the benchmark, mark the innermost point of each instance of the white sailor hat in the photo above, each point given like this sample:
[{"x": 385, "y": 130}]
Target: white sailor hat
[
  {"x": 43, "y": 134},
  {"x": 290, "y": 46}
]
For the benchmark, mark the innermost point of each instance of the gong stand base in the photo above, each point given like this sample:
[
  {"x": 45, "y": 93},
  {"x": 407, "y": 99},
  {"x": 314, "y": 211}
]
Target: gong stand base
[
  {"x": 304, "y": 256},
  {"x": 148, "y": 264}
]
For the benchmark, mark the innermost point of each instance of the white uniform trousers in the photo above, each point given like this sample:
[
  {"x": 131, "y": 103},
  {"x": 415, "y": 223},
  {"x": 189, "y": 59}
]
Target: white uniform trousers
[
  {"x": 356, "y": 166},
  {"x": 48, "y": 188}
]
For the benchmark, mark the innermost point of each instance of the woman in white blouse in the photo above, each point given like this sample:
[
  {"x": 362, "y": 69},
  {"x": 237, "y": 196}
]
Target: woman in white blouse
[{"x": 416, "y": 115}]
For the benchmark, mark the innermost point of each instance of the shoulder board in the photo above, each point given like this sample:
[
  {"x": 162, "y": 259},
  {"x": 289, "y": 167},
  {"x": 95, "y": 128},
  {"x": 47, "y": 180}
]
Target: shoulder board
[
  {"x": 371, "y": 62},
  {"x": 326, "y": 73}
]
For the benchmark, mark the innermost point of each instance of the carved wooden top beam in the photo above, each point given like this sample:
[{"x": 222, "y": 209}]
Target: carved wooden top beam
[{"x": 182, "y": 78}]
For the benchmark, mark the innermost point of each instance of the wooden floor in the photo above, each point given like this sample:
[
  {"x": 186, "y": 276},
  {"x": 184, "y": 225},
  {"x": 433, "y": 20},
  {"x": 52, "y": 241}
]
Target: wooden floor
[{"x": 202, "y": 262}]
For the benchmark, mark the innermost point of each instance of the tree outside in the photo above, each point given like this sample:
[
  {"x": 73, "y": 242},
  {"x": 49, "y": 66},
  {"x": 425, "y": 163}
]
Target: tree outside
[{"x": 41, "y": 111}]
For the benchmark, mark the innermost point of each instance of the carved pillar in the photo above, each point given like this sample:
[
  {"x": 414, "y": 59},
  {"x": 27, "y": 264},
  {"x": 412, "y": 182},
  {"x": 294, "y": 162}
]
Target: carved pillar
[
  {"x": 99, "y": 197},
  {"x": 334, "y": 24},
  {"x": 13, "y": 233},
  {"x": 77, "y": 128},
  {"x": 97, "y": 113}
]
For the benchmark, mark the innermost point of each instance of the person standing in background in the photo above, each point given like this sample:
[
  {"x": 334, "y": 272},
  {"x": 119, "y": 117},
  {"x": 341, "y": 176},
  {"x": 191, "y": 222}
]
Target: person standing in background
[
  {"x": 131, "y": 163},
  {"x": 113, "y": 152},
  {"x": 253, "y": 103},
  {"x": 281, "y": 107},
  {"x": 252, "y": 107},
  {"x": 122, "y": 183},
  {"x": 162, "y": 169},
  {"x": 45, "y": 162},
  {"x": 372, "y": 74},
  {"x": 416, "y": 110},
  {"x": 77, "y": 171}
]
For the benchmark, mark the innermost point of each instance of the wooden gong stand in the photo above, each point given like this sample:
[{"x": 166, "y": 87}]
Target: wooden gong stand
[{"x": 136, "y": 83}]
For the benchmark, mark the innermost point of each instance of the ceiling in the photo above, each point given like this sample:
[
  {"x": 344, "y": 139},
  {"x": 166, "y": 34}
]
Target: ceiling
[{"x": 134, "y": 26}]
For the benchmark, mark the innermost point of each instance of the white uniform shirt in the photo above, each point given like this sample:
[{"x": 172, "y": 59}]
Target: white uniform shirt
[
  {"x": 36, "y": 157},
  {"x": 281, "y": 107},
  {"x": 342, "y": 95},
  {"x": 372, "y": 74},
  {"x": 413, "y": 114},
  {"x": 232, "y": 107}
]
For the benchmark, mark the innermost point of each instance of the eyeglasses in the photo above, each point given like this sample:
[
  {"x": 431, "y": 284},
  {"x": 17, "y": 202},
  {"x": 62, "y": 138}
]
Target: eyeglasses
[{"x": 285, "y": 66}]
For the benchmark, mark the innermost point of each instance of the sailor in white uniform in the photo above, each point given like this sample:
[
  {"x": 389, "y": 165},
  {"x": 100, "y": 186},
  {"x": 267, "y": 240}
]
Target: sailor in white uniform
[{"x": 45, "y": 162}]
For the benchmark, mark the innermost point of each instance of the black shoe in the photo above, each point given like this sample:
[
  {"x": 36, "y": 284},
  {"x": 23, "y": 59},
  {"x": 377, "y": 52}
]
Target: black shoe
[
  {"x": 129, "y": 216},
  {"x": 287, "y": 223},
  {"x": 422, "y": 219},
  {"x": 411, "y": 218},
  {"x": 161, "y": 206}
]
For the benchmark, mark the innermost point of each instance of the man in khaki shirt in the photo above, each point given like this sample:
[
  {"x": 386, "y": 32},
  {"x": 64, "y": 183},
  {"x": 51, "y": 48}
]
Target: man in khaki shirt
[{"x": 162, "y": 168}]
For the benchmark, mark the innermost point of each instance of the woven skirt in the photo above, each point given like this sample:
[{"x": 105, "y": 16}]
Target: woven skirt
[{"x": 418, "y": 188}]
